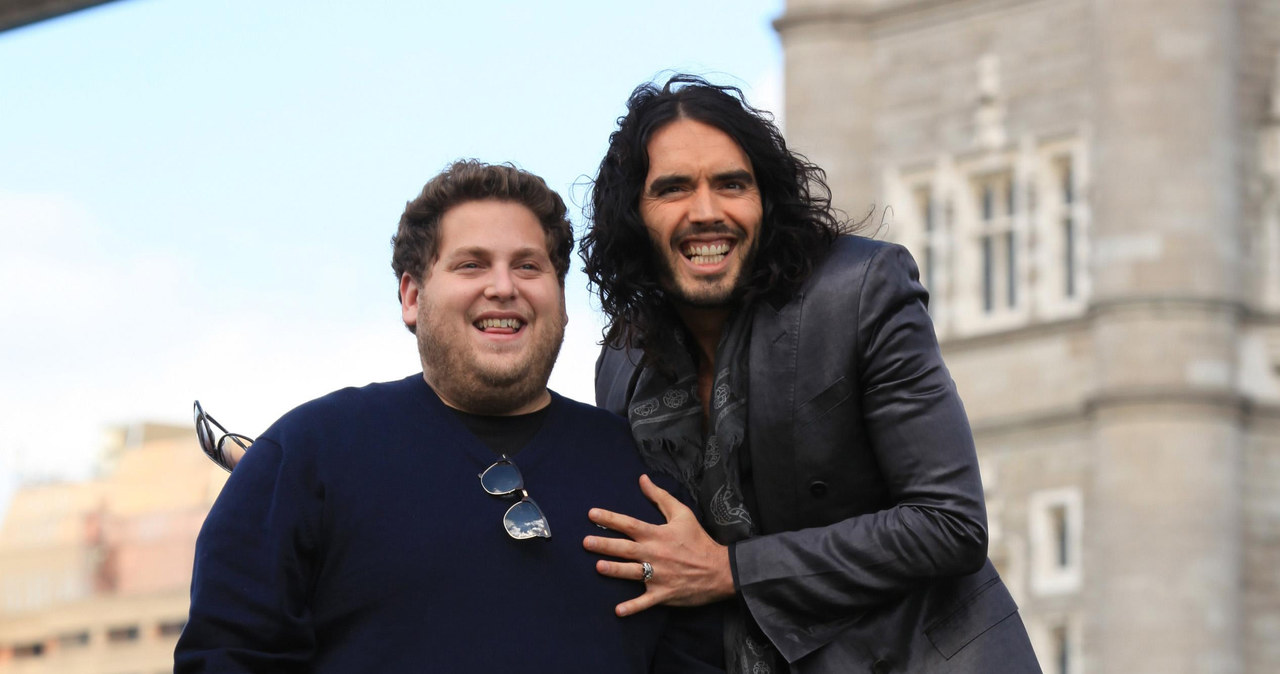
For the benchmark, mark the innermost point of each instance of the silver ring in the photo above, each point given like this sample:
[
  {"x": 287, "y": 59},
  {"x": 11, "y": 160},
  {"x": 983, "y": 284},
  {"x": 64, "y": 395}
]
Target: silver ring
[{"x": 648, "y": 571}]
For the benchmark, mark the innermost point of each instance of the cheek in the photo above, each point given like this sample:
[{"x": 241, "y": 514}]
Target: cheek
[
  {"x": 750, "y": 219},
  {"x": 657, "y": 222},
  {"x": 451, "y": 303}
]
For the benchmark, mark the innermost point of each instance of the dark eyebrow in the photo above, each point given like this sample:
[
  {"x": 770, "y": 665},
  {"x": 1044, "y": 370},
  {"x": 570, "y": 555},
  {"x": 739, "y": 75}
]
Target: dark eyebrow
[
  {"x": 471, "y": 251},
  {"x": 740, "y": 175},
  {"x": 486, "y": 253},
  {"x": 674, "y": 180},
  {"x": 663, "y": 182},
  {"x": 531, "y": 251}
]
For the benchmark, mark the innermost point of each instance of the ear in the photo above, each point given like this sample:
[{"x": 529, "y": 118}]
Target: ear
[
  {"x": 564, "y": 308},
  {"x": 409, "y": 290}
]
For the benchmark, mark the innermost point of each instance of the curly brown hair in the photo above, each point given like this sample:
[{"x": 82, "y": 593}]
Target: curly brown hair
[{"x": 416, "y": 244}]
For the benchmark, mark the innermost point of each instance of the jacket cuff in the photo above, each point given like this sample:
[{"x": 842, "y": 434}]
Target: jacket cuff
[
  {"x": 733, "y": 566},
  {"x": 792, "y": 639}
]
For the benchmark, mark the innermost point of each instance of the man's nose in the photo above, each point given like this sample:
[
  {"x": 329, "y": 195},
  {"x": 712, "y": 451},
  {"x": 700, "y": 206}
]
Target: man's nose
[
  {"x": 501, "y": 284},
  {"x": 704, "y": 207}
]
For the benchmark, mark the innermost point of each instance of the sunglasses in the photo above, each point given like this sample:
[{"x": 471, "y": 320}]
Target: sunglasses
[
  {"x": 228, "y": 448},
  {"x": 524, "y": 519}
]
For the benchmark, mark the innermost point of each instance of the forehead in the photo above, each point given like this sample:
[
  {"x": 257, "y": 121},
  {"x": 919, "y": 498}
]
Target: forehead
[
  {"x": 687, "y": 146},
  {"x": 490, "y": 225}
]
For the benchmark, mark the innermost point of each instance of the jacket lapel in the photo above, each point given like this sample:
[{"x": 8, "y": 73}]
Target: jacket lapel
[{"x": 772, "y": 365}]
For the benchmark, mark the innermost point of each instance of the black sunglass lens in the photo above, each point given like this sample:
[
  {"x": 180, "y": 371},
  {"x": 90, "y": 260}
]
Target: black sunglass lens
[
  {"x": 231, "y": 449},
  {"x": 501, "y": 478},
  {"x": 205, "y": 435},
  {"x": 525, "y": 520}
]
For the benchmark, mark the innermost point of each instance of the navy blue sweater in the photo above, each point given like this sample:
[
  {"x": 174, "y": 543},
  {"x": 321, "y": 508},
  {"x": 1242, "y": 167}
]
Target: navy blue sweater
[{"x": 355, "y": 537}]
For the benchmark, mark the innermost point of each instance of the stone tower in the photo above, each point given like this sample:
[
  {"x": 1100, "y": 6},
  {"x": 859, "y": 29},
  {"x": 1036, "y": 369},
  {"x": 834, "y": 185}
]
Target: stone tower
[{"x": 1092, "y": 191}]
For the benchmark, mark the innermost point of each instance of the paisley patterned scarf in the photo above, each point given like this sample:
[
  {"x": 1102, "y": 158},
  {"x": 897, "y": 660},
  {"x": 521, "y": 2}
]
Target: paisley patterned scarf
[{"x": 666, "y": 420}]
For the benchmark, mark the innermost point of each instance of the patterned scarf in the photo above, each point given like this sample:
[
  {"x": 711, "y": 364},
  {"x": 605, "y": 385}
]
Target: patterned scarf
[{"x": 666, "y": 420}]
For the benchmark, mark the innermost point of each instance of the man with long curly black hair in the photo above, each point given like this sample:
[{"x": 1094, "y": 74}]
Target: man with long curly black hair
[{"x": 788, "y": 374}]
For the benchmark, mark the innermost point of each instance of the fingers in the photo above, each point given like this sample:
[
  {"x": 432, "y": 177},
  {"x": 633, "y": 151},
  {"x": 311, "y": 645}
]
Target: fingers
[
  {"x": 645, "y": 601},
  {"x": 630, "y": 571},
  {"x": 622, "y": 548},
  {"x": 628, "y": 526},
  {"x": 668, "y": 504},
  {"x": 621, "y": 570}
]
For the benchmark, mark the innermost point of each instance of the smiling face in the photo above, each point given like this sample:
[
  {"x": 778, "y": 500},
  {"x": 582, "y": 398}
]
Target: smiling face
[
  {"x": 489, "y": 313},
  {"x": 702, "y": 208}
]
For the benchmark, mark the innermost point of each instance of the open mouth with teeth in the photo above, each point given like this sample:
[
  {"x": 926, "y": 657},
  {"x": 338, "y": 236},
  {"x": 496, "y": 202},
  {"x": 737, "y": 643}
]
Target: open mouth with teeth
[
  {"x": 705, "y": 253},
  {"x": 501, "y": 326}
]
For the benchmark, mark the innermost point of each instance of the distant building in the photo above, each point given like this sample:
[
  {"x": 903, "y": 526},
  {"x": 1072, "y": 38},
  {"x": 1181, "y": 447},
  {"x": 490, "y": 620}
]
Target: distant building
[
  {"x": 1092, "y": 192},
  {"x": 95, "y": 576}
]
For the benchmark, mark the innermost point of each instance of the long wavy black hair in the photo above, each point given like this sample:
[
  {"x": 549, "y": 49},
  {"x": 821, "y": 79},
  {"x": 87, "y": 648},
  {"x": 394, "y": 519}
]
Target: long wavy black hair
[{"x": 797, "y": 229}]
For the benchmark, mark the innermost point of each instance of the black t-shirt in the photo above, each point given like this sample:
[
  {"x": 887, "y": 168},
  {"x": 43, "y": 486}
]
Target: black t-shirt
[{"x": 505, "y": 435}]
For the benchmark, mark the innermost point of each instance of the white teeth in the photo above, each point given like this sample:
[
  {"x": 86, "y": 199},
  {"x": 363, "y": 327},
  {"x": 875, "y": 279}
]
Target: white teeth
[
  {"x": 509, "y": 323},
  {"x": 706, "y": 253},
  {"x": 703, "y": 250}
]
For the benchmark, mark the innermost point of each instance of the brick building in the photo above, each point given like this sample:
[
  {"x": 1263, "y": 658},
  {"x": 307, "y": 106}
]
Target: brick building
[{"x": 95, "y": 576}]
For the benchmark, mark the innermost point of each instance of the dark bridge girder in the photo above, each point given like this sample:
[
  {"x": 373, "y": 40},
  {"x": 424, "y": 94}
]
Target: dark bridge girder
[{"x": 18, "y": 13}]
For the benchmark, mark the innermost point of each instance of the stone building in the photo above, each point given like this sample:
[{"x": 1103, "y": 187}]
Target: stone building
[
  {"x": 1091, "y": 189},
  {"x": 95, "y": 576}
]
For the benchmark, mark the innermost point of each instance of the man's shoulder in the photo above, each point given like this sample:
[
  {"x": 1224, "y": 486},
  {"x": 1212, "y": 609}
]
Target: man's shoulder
[
  {"x": 378, "y": 399},
  {"x": 591, "y": 418},
  {"x": 853, "y": 250},
  {"x": 846, "y": 264}
]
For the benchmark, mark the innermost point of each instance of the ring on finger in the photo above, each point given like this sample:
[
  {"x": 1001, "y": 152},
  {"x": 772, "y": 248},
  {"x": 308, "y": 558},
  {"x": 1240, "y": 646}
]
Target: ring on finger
[{"x": 648, "y": 571}]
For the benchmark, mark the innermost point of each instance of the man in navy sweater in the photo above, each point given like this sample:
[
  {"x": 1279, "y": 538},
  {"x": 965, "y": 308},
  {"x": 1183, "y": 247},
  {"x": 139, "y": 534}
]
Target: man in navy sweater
[{"x": 355, "y": 535}]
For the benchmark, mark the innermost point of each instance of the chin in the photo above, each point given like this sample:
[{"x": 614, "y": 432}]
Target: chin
[
  {"x": 502, "y": 377},
  {"x": 705, "y": 295}
]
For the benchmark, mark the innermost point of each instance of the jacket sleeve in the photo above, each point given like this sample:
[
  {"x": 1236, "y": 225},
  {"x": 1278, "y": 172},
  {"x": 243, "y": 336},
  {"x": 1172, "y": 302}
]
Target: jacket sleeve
[
  {"x": 616, "y": 373},
  {"x": 253, "y": 567},
  {"x": 804, "y": 587}
]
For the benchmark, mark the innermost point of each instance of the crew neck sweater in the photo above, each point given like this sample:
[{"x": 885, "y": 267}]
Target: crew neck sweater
[{"x": 355, "y": 537}]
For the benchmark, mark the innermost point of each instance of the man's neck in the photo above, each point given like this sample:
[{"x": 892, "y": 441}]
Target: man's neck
[
  {"x": 706, "y": 325},
  {"x": 494, "y": 403}
]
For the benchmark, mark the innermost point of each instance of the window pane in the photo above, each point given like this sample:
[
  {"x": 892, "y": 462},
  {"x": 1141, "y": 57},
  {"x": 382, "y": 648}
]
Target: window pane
[
  {"x": 172, "y": 628},
  {"x": 928, "y": 267},
  {"x": 1062, "y": 649},
  {"x": 1061, "y": 542},
  {"x": 1008, "y": 195},
  {"x": 73, "y": 639},
  {"x": 1012, "y": 271},
  {"x": 988, "y": 274},
  {"x": 28, "y": 650},
  {"x": 1068, "y": 190},
  {"x": 1069, "y": 254},
  {"x": 924, "y": 203},
  {"x": 122, "y": 634}
]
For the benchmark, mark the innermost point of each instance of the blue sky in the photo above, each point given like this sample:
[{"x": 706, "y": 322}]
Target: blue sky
[{"x": 196, "y": 196}]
